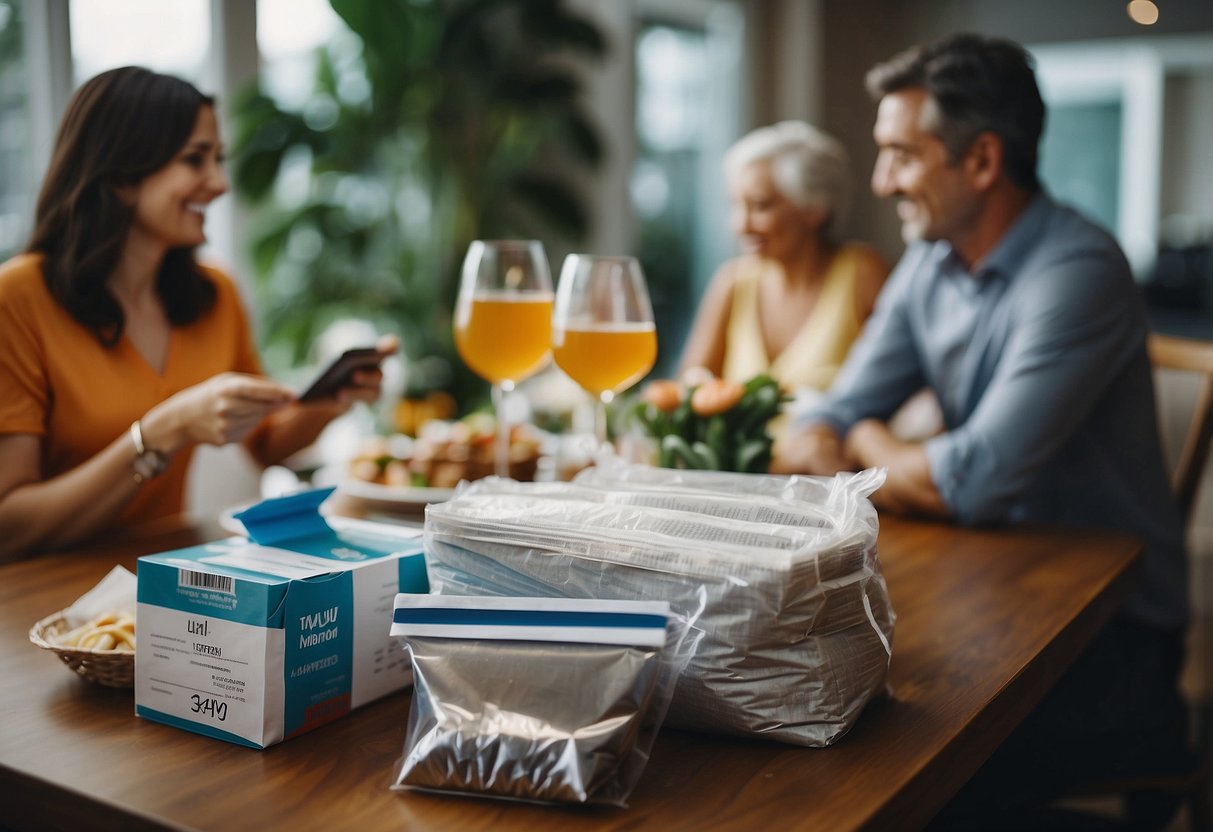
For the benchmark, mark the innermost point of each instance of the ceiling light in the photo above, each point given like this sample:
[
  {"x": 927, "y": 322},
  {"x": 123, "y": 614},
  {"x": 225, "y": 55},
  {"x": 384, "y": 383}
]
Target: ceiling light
[{"x": 1143, "y": 12}]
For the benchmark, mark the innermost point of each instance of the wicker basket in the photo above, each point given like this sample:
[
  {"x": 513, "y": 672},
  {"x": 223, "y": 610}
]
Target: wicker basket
[{"x": 113, "y": 668}]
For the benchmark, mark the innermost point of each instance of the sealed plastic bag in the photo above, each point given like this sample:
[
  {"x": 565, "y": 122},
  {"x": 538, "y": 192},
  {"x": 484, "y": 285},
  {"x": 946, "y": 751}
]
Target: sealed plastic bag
[
  {"x": 536, "y": 699},
  {"x": 797, "y": 624}
]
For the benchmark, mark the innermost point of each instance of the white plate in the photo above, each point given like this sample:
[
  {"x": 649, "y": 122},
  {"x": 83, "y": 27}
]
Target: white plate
[{"x": 400, "y": 495}]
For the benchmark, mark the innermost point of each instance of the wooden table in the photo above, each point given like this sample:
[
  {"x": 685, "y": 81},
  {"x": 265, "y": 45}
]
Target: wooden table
[{"x": 987, "y": 621}]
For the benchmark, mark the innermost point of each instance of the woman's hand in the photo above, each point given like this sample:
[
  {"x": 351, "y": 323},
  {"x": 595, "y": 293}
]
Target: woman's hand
[
  {"x": 293, "y": 429},
  {"x": 218, "y": 411}
]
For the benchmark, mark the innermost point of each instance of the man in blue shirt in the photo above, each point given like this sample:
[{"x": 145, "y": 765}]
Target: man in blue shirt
[{"x": 1024, "y": 319}]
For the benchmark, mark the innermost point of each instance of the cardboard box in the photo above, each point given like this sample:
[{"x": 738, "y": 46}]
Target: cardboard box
[{"x": 254, "y": 641}]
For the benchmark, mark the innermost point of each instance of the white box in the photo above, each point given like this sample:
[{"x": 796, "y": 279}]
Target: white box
[{"x": 254, "y": 643}]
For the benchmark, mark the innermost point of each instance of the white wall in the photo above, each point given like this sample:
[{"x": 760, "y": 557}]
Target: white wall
[{"x": 1187, "y": 166}]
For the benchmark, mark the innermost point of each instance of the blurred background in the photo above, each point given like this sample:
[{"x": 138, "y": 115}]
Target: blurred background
[{"x": 371, "y": 140}]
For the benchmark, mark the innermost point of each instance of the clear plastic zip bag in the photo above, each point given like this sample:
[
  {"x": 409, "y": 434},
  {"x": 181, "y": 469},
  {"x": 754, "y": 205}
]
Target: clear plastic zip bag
[{"x": 536, "y": 699}]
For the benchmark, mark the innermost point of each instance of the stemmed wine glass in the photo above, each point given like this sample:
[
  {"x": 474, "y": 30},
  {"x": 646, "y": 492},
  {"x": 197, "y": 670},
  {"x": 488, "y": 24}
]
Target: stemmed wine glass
[
  {"x": 603, "y": 335},
  {"x": 503, "y": 320}
]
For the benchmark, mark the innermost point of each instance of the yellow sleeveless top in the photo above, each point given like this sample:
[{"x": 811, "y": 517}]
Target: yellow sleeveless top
[{"x": 815, "y": 354}]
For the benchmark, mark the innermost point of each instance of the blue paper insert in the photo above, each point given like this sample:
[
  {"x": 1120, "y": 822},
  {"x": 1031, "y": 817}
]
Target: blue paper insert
[{"x": 293, "y": 517}]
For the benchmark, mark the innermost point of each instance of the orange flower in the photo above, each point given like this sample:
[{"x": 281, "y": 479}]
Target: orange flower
[
  {"x": 663, "y": 394},
  {"x": 716, "y": 396}
]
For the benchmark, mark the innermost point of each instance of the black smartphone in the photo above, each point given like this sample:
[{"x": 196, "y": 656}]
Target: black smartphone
[{"x": 337, "y": 374}]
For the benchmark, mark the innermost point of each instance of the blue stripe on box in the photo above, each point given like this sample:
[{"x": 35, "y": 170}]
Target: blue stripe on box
[
  {"x": 197, "y": 727},
  {"x": 525, "y": 618}
]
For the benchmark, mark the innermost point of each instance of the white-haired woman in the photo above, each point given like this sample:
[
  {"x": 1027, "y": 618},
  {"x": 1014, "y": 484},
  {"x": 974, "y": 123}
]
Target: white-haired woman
[{"x": 792, "y": 304}]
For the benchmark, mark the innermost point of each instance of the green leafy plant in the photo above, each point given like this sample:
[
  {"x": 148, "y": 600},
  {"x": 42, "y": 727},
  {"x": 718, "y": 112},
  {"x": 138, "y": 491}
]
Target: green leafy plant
[
  {"x": 442, "y": 123},
  {"x": 717, "y": 425}
]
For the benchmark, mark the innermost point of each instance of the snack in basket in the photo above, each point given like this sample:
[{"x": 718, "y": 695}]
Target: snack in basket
[
  {"x": 111, "y": 631},
  {"x": 95, "y": 635},
  {"x": 444, "y": 454}
]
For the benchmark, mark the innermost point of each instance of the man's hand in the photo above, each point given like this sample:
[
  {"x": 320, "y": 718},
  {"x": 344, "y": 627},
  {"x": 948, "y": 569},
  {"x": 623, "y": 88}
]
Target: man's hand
[
  {"x": 909, "y": 488},
  {"x": 817, "y": 449},
  {"x": 872, "y": 444}
]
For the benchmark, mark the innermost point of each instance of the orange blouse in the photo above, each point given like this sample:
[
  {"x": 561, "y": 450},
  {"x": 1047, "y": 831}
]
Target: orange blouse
[{"x": 57, "y": 381}]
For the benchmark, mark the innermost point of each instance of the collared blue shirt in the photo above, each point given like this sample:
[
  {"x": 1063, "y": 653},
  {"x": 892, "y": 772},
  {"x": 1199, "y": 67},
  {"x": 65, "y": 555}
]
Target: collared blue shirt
[{"x": 1039, "y": 362}]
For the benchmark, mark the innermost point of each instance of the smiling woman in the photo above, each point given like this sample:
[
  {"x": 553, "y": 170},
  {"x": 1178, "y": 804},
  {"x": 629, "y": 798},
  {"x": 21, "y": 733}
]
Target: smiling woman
[
  {"x": 793, "y": 302},
  {"x": 119, "y": 352},
  {"x": 170, "y": 204}
]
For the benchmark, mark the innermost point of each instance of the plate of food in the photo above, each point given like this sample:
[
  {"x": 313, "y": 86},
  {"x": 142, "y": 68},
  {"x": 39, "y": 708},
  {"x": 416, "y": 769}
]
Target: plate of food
[
  {"x": 425, "y": 470},
  {"x": 377, "y": 490}
]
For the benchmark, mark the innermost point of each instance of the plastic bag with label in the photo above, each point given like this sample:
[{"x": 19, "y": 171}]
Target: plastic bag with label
[{"x": 536, "y": 699}]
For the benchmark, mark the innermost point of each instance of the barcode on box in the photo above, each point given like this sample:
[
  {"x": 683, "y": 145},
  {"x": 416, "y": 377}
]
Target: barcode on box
[{"x": 205, "y": 580}]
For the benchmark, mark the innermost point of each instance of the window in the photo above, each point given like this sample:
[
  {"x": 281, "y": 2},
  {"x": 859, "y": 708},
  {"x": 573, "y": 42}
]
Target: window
[
  {"x": 16, "y": 187},
  {"x": 671, "y": 81},
  {"x": 173, "y": 38},
  {"x": 687, "y": 105},
  {"x": 288, "y": 34},
  {"x": 1080, "y": 158},
  {"x": 1125, "y": 141}
]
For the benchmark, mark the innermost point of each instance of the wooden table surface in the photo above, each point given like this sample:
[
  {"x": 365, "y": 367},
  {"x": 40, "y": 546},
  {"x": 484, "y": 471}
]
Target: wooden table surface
[{"x": 987, "y": 621}]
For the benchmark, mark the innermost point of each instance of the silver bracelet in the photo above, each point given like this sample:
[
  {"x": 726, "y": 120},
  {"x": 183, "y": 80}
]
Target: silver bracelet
[{"x": 148, "y": 463}]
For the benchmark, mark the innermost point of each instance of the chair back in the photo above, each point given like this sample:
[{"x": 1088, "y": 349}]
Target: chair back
[
  {"x": 1188, "y": 355},
  {"x": 1194, "y": 788}
]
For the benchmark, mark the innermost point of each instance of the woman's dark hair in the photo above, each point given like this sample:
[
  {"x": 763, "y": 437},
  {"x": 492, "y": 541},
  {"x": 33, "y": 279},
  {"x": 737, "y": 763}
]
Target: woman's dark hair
[
  {"x": 119, "y": 127},
  {"x": 978, "y": 85}
]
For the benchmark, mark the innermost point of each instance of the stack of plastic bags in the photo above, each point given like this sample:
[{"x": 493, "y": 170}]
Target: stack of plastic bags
[{"x": 779, "y": 574}]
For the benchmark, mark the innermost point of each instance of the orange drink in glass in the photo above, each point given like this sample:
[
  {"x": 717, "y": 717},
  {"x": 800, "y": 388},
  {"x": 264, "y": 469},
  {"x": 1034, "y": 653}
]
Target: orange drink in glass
[
  {"x": 505, "y": 337},
  {"x": 606, "y": 357},
  {"x": 503, "y": 320},
  {"x": 604, "y": 337}
]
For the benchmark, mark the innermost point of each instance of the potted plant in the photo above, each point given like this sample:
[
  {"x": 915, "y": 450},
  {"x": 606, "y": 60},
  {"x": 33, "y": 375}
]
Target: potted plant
[
  {"x": 709, "y": 423},
  {"x": 450, "y": 121}
]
